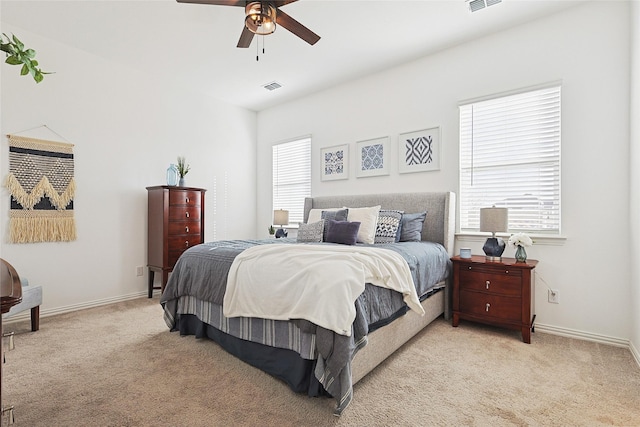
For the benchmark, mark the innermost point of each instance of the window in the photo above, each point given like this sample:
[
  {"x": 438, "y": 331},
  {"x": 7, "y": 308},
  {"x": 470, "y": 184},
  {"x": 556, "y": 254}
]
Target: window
[
  {"x": 292, "y": 177},
  {"x": 510, "y": 157}
]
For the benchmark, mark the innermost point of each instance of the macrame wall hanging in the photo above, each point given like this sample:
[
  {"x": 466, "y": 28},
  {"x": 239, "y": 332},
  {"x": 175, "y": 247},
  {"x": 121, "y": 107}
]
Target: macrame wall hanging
[{"x": 42, "y": 189}]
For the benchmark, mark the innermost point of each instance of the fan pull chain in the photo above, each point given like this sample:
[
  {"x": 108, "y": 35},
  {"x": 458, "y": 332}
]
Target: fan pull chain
[{"x": 258, "y": 48}]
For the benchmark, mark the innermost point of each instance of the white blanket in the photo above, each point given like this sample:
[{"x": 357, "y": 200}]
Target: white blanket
[{"x": 313, "y": 282}]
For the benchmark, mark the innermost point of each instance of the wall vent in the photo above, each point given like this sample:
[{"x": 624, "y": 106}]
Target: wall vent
[
  {"x": 475, "y": 5},
  {"x": 272, "y": 86}
]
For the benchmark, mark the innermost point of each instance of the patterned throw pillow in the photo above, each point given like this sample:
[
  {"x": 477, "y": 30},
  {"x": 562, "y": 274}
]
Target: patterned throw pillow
[
  {"x": 388, "y": 227},
  {"x": 310, "y": 233}
]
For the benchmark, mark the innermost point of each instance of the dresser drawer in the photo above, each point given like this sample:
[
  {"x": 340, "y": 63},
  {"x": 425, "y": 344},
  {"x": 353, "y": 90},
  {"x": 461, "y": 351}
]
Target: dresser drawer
[
  {"x": 498, "y": 281},
  {"x": 184, "y": 213},
  {"x": 183, "y": 242},
  {"x": 184, "y": 227},
  {"x": 184, "y": 198}
]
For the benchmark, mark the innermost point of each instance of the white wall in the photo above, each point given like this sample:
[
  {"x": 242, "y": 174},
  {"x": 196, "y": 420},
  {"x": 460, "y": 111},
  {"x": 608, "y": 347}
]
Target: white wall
[
  {"x": 126, "y": 128},
  {"x": 587, "y": 47},
  {"x": 634, "y": 195}
]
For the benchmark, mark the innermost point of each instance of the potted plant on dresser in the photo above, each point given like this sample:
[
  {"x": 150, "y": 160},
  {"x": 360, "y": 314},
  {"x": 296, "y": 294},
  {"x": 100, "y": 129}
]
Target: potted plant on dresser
[{"x": 183, "y": 169}]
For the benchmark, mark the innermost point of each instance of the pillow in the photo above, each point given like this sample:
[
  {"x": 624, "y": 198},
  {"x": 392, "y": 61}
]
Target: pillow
[
  {"x": 310, "y": 233},
  {"x": 343, "y": 232},
  {"x": 337, "y": 215},
  {"x": 412, "y": 227},
  {"x": 315, "y": 215},
  {"x": 388, "y": 227},
  {"x": 368, "y": 219}
]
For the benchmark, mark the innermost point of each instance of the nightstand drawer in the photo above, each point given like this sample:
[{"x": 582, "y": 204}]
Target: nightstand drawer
[
  {"x": 482, "y": 304},
  {"x": 503, "y": 282},
  {"x": 184, "y": 198}
]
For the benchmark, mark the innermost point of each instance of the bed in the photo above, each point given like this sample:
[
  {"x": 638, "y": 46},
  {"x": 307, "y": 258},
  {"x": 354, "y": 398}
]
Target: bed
[{"x": 310, "y": 356}]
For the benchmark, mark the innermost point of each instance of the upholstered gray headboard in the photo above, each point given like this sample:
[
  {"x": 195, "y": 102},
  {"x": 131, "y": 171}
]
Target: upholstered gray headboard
[{"x": 439, "y": 225}]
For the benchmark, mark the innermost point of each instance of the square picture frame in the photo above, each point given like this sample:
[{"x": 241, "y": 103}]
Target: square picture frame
[
  {"x": 372, "y": 157},
  {"x": 419, "y": 151},
  {"x": 334, "y": 162}
]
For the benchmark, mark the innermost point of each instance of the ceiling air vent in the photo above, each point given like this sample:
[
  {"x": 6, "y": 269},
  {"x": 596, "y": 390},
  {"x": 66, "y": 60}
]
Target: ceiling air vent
[
  {"x": 272, "y": 86},
  {"x": 475, "y": 5}
]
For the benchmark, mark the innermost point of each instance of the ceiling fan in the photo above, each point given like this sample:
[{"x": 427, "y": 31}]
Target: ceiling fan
[{"x": 261, "y": 18}]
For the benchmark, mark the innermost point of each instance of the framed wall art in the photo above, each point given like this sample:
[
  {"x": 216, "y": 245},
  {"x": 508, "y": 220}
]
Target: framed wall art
[
  {"x": 419, "y": 151},
  {"x": 372, "y": 157},
  {"x": 334, "y": 162}
]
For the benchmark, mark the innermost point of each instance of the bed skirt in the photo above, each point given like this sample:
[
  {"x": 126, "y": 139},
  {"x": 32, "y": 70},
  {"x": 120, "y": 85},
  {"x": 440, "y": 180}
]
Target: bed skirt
[{"x": 284, "y": 364}]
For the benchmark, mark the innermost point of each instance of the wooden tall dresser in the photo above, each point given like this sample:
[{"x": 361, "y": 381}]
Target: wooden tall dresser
[{"x": 176, "y": 222}]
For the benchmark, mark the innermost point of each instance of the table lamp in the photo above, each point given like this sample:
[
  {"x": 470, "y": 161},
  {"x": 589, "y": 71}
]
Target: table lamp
[
  {"x": 494, "y": 220},
  {"x": 281, "y": 217}
]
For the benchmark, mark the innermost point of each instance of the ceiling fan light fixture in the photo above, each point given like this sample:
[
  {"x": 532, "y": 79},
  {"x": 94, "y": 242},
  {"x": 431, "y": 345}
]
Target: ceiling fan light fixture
[{"x": 260, "y": 17}]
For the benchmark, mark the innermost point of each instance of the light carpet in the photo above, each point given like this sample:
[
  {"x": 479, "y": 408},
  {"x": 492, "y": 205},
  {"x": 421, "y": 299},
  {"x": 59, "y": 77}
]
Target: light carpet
[{"x": 118, "y": 365}]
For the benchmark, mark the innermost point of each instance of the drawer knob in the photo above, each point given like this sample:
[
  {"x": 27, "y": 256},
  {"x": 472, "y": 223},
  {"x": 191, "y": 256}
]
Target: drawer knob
[
  {"x": 186, "y": 229},
  {"x": 487, "y": 283},
  {"x": 486, "y": 307},
  {"x": 469, "y": 268},
  {"x": 187, "y": 214},
  {"x": 186, "y": 243},
  {"x": 187, "y": 200},
  {"x": 507, "y": 272}
]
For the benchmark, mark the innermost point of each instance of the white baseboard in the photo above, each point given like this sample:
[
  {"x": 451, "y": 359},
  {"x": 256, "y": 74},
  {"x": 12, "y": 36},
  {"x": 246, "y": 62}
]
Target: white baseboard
[
  {"x": 74, "y": 307},
  {"x": 582, "y": 335},
  {"x": 635, "y": 353}
]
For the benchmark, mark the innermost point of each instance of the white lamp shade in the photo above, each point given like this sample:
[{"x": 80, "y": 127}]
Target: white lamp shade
[
  {"x": 281, "y": 217},
  {"x": 494, "y": 219}
]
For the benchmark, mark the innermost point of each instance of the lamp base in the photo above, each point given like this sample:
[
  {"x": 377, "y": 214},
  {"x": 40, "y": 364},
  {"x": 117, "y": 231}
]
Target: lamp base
[
  {"x": 281, "y": 232},
  {"x": 493, "y": 248}
]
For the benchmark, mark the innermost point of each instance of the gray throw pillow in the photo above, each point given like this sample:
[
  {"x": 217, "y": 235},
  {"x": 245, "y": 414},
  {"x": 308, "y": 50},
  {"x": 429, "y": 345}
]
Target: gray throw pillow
[
  {"x": 343, "y": 232},
  {"x": 333, "y": 215},
  {"x": 412, "y": 227},
  {"x": 310, "y": 233}
]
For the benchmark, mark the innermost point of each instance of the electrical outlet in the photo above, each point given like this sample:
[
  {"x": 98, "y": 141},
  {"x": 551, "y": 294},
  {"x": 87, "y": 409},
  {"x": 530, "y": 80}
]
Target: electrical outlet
[
  {"x": 139, "y": 270},
  {"x": 554, "y": 296}
]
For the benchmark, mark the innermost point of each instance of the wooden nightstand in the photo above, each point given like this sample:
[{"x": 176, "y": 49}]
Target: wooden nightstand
[{"x": 498, "y": 293}]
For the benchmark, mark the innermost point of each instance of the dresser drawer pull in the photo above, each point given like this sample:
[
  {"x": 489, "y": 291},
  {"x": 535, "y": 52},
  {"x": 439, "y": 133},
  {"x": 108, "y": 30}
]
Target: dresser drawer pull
[
  {"x": 186, "y": 200},
  {"x": 186, "y": 229},
  {"x": 187, "y": 214},
  {"x": 487, "y": 283},
  {"x": 186, "y": 243},
  {"x": 486, "y": 307}
]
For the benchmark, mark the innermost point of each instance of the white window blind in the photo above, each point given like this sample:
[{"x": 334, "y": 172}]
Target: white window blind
[
  {"x": 510, "y": 157},
  {"x": 292, "y": 177}
]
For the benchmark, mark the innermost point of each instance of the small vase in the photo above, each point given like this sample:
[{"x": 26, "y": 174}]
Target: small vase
[
  {"x": 521, "y": 254},
  {"x": 181, "y": 182}
]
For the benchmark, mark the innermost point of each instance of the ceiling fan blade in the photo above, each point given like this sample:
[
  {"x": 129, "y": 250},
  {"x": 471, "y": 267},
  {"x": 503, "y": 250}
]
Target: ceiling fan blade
[
  {"x": 296, "y": 28},
  {"x": 216, "y": 2},
  {"x": 245, "y": 38},
  {"x": 279, "y": 3}
]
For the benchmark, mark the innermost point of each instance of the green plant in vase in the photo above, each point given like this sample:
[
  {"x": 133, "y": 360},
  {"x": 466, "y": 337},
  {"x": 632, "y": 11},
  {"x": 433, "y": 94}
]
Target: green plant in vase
[{"x": 183, "y": 169}]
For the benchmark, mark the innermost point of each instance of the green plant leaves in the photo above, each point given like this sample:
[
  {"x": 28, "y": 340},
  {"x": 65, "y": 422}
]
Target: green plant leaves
[{"x": 17, "y": 55}]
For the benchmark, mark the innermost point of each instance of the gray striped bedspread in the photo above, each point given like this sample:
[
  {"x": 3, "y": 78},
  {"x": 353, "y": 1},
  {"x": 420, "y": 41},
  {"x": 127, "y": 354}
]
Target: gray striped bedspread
[{"x": 198, "y": 283}]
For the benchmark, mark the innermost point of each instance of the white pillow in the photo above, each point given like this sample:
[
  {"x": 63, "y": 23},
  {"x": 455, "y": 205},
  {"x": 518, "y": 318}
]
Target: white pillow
[
  {"x": 368, "y": 218},
  {"x": 315, "y": 215}
]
